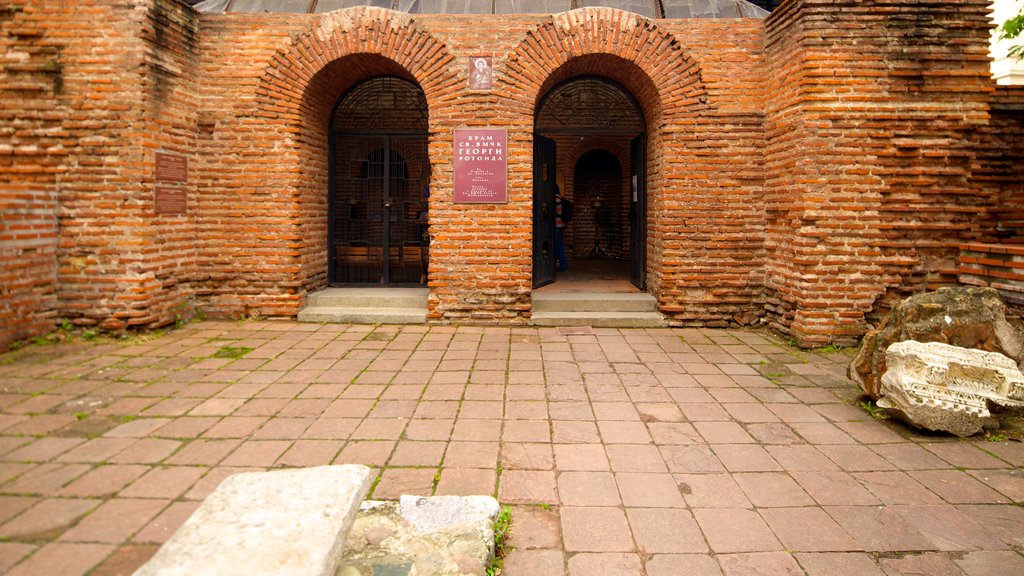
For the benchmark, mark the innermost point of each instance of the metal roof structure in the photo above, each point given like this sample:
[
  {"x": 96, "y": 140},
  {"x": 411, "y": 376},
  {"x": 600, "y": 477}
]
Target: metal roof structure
[{"x": 648, "y": 8}]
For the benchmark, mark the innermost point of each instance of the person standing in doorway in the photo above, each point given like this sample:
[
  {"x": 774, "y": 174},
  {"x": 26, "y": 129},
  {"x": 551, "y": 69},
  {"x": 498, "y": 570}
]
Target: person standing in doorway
[{"x": 560, "y": 222}]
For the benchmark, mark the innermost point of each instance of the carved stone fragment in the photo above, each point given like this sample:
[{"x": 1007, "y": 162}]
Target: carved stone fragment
[
  {"x": 941, "y": 387},
  {"x": 961, "y": 316}
]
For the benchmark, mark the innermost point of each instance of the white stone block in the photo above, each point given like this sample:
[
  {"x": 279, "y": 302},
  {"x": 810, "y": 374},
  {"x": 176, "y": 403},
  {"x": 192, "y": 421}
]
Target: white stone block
[{"x": 285, "y": 522}]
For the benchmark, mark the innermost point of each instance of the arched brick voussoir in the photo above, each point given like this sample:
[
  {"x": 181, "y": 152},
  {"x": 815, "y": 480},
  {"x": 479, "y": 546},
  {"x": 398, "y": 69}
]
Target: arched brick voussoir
[
  {"x": 675, "y": 74},
  {"x": 362, "y": 30}
]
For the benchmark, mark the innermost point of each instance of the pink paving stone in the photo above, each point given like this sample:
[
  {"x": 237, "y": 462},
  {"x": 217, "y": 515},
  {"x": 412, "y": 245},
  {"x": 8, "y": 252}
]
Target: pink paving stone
[
  {"x": 47, "y": 517},
  {"x": 115, "y": 521},
  {"x": 695, "y": 458},
  {"x": 213, "y": 478},
  {"x": 833, "y": 487},
  {"x": 472, "y": 455},
  {"x": 331, "y": 428},
  {"x": 876, "y": 528},
  {"x": 526, "y": 431},
  {"x": 807, "y": 529},
  {"x": 535, "y": 527},
  {"x": 801, "y": 457},
  {"x": 628, "y": 432},
  {"x": 44, "y": 479},
  {"x": 674, "y": 433},
  {"x": 283, "y": 429},
  {"x": 380, "y": 429},
  {"x": 649, "y": 490},
  {"x": 260, "y": 453},
  {"x": 759, "y": 564},
  {"x": 663, "y": 530},
  {"x": 187, "y": 427},
  {"x": 138, "y": 428},
  {"x": 896, "y": 488},
  {"x": 845, "y": 563},
  {"x": 682, "y": 565},
  {"x": 146, "y": 451},
  {"x": 587, "y": 489},
  {"x": 855, "y": 458},
  {"x": 772, "y": 489},
  {"x": 909, "y": 456},
  {"x": 164, "y": 482},
  {"x": 607, "y": 564},
  {"x": 595, "y": 530},
  {"x": 366, "y": 452},
  {"x": 205, "y": 452},
  {"x": 958, "y": 487},
  {"x": 429, "y": 429},
  {"x": 104, "y": 480},
  {"x": 395, "y": 482},
  {"x": 217, "y": 407},
  {"x": 417, "y": 453},
  {"x": 745, "y": 458},
  {"x": 527, "y": 456},
  {"x": 11, "y": 506},
  {"x": 436, "y": 410},
  {"x": 949, "y": 529},
  {"x": 615, "y": 411},
  {"x": 164, "y": 525},
  {"x": 11, "y": 553},
  {"x": 62, "y": 558},
  {"x": 635, "y": 458},
  {"x": 964, "y": 455},
  {"x": 534, "y": 563},
  {"x": 235, "y": 427},
  {"x": 930, "y": 564},
  {"x": 44, "y": 449},
  {"x": 527, "y": 487},
  {"x": 574, "y": 432},
  {"x": 467, "y": 482},
  {"x": 348, "y": 408},
  {"x": 478, "y": 409},
  {"x": 570, "y": 411},
  {"x": 310, "y": 453},
  {"x": 580, "y": 457},
  {"x": 735, "y": 530},
  {"x": 989, "y": 563},
  {"x": 723, "y": 433}
]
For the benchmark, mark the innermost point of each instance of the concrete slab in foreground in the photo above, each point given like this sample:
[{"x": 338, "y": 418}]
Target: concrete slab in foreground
[{"x": 284, "y": 522}]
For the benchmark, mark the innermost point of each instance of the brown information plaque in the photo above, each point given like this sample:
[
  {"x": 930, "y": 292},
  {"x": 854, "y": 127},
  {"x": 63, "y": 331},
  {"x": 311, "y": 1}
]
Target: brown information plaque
[
  {"x": 171, "y": 167},
  {"x": 170, "y": 200},
  {"x": 481, "y": 166}
]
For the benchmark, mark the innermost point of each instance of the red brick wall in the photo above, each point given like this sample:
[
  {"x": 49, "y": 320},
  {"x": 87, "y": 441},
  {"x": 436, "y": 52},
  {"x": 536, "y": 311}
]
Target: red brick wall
[
  {"x": 807, "y": 169},
  {"x": 873, "y": 115},
  {"x": 31, "y": 157}
]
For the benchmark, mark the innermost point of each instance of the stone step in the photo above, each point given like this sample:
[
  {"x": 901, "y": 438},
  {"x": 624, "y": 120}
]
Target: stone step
[
  {"x": 413, "y": 298},
  {"x": 347, "y": 315},
  {"x": 594, "y": 302},
  {"x": 599, "y": 319}
]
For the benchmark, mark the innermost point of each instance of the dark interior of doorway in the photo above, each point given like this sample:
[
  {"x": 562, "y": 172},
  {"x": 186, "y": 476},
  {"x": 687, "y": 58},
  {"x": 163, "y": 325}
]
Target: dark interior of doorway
[
  {"x": 379, "y": 186},
  {"x": 587, "y": 117}
]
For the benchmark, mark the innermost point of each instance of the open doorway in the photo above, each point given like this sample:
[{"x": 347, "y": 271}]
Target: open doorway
[{"x": 590, "y": 146}]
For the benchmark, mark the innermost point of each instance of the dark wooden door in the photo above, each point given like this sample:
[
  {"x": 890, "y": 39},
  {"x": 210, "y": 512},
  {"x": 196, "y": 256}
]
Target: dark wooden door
[
  {"x": 638, "y": 213},
  {"x": 543, "y": 211}
]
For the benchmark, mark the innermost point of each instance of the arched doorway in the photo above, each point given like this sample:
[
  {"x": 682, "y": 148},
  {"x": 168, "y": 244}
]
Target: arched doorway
[
  {"x": 590, "y": 116},
  {"x": 379, "y": 185}
]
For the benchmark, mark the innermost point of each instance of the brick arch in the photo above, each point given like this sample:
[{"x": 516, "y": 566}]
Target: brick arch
[
  {"x": 656, "y": 68},
  {"x": 299, "y": 88},
  {"x": 393, "y": 36},
  {"x": 610, "y": 145}
]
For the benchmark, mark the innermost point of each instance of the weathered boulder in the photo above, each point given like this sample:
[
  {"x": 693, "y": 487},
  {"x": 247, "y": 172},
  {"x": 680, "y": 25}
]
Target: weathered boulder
[
  {"x": 941, "y": 387},
  {"x": 966, "y": 317}
]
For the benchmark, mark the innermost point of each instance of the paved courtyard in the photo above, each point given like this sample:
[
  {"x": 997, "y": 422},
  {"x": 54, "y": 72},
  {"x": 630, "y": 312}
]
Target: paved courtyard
[{"x": 622, "y": 452}]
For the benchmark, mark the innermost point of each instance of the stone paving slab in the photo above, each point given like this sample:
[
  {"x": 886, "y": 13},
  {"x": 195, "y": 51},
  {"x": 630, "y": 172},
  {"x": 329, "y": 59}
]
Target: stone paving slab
[{"x": 648, "y": 451}]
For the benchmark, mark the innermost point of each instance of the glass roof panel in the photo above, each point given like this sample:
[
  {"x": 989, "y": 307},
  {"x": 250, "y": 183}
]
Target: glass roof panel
[
  {"x": 291, "y": 6},
  {"x": 446, "y": 6},
  {"x": 648, "y": 8},
  {"x": 531, "y": 6},
  {"x": 332, "y": 5}
]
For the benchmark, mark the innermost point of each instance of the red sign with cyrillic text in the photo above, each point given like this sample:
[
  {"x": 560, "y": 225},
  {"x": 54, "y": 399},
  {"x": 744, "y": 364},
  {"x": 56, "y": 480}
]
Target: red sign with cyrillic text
[{"x": 481, "y": 166}]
